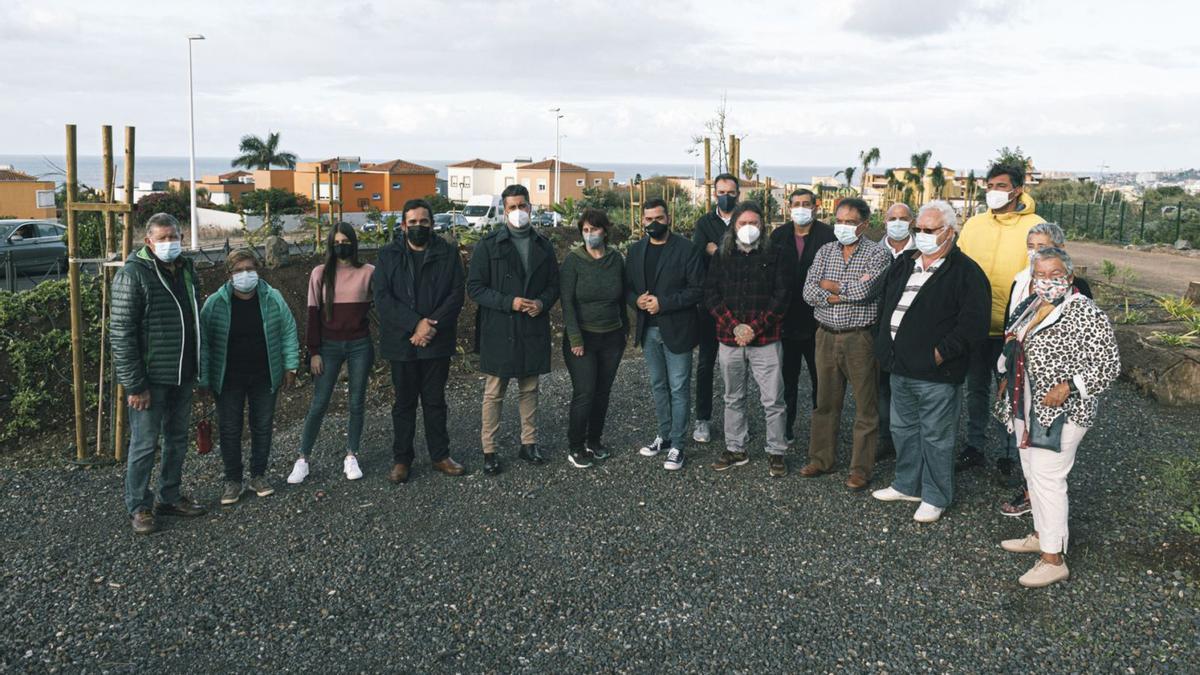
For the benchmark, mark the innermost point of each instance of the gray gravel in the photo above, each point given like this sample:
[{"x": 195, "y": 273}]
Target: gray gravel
[{"x": 624, "y": 567}]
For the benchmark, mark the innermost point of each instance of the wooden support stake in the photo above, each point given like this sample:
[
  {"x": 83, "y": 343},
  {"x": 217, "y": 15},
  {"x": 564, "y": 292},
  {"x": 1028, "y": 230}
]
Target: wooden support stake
[
  {"x": 73, "y": 276},
  {"x": 707, "y": 174},
  {"x": 126, "y": 247},
  {"x": 106, "y": 280}
]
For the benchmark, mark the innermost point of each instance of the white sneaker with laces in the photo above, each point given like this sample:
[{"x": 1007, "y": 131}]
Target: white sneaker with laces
[
  {"x": 927, "y": 513},
  {"x": 1030, "y": 544},
  {"x": 674, "y": 460},
  {"x": 891, "y": 494},
  {"x": 702, "y": 432},
  {"x": 1043, "y": 574},
  {"x": 652, "y": 449},
  {"x": 299, "y": 472},
  {"x": 350, "y": 467}
]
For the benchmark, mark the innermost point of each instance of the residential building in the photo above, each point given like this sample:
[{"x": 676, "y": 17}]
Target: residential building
[
  {"x": 473, "y": 177},
  {"x": 539, "y": 177},
  {"x": 223, "y": 189},
  {"x": 359, "y": 187},
  {"x": 24, "y": 196}
]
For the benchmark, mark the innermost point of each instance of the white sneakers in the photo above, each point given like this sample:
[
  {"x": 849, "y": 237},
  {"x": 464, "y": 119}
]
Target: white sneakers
[
  {"x": 928, "y": 513},
  {"x": 300, "y": 470},
  {"x": 1030, "y": 544},
  {"x": 891, "y": 494},
  {"x": 1043, "y": 574},
  {"x": 674, "y": 460},
  {"x": 652, "y": 449},
  {"x": 702, "y": 434}
]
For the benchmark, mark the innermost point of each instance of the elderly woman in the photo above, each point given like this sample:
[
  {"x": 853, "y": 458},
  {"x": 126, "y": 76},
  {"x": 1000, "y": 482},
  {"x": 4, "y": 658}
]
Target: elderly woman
[
  {"x": 249, "y": 350},
  {"x": 1059, "y": 355},
  {"x": 1042, "y": 235}
]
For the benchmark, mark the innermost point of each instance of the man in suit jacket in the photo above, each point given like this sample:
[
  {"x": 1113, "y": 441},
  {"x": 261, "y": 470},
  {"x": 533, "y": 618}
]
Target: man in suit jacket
[
  {"x": 664, "y": 275},
  {"x": 798, "y": 244}
]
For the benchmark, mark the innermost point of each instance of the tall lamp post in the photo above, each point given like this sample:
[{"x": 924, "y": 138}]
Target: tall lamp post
[
  {"x": 194, "y": 223},
  {"x": 557, "y": 156}
]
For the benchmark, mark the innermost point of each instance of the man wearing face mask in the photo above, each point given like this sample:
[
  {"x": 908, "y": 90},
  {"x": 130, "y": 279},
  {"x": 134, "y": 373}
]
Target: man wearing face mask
[
  {"x": 898, "y": 239},
  {"x": 707, "y": 235},
  {"x": 843, "y": 288},
  {"x": 798, "y": 245},
  {"x": 249, "y": 351},
  {"x": 935, "y": 307},
  {"x": 513, "y": 277},
  {"x": 418, "y": 288},
  {"x": 155, "y": 329},
  {"x": 995, "y": 240}
]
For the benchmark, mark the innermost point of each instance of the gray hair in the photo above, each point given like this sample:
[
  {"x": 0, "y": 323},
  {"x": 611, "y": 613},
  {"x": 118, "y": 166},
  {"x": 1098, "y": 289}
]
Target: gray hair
[
  {"x": 906, "y": 208},
  {"x": 1052, "y": 230},
  {"x": 1053, "y": 253},
  {"x": 949, "y": 217},
  {"x": 161, "y": 220}
]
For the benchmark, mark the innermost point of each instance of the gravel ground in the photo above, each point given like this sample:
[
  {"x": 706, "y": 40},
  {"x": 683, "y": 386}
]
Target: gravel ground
[{"x": 624, "y": 567}]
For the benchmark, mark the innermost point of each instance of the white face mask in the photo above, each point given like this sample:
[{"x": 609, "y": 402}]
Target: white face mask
[
  {"x": 518, "y": 218},
  {"x": 927, "y": 243},
  {"x": 802, "y": 215},
  {"x": 846, "y": 234},
  {"x": 897, "y": 229},
  {"x": 748, "y": 234},
  {"x": 246, "y": 281},
  {"x": 997, "y": 199},
  {"x": 167, "y": 251}
]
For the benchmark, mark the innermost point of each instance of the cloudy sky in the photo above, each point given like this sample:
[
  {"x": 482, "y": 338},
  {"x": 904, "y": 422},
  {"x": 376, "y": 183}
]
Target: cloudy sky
[{"x": 1075, "y": 84}]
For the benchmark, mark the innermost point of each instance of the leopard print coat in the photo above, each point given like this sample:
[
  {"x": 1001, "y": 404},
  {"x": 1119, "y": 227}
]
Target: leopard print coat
[{"x": 1076, "y": 343}]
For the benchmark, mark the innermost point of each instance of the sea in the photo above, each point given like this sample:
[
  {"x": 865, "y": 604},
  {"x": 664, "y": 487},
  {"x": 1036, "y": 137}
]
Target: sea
[{"x": 147, "y": 168}]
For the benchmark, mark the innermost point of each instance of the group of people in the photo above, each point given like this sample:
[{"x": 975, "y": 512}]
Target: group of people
[{"x": 904, "y": 322}]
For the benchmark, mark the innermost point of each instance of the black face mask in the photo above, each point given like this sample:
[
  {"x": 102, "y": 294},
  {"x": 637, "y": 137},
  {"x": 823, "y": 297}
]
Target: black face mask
[
  {"x": 418, "y": 235},
  {"x": 656, "y": 230},
  {"x": 726, "y": 203},
  {"x": 344, "y": 251}
]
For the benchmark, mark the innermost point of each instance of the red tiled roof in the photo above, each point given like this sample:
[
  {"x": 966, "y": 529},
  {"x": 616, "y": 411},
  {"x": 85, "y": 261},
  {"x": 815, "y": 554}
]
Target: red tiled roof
[
  {"x": 399, "y": 166},
  {"x": 476, "y": 163},
  {"x": 549, "y": 164},
  {"x": 233, "y": 175},
  {"x": 10, "y": 175}
]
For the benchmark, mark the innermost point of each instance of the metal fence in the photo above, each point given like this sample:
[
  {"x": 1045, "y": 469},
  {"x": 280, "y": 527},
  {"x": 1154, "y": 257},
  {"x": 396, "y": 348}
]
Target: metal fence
[{"x": 1125, "y": 223}]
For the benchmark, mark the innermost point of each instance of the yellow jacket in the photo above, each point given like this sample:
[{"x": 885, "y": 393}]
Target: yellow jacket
[{"x": 996, "y": 242}]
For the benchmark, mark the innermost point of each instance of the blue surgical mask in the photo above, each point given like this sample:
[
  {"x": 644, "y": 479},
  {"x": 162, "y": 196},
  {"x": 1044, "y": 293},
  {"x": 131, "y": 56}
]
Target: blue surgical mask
[
  {"x": 167, "y": 251},
  {"x": 594, "y": 240},
  {"x": 897, "y": 230},
  {"x": 846, "y": 234},
  {"x": 246, "y": 281}
]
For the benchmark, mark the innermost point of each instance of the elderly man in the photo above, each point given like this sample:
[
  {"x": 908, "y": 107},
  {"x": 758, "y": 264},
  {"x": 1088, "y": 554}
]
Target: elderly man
[
  {"x": 899, "y": 241},
  {"x": 155, "y": 330},
  {"x": 843, "y": 288},
  {"x": 934, "y": 311}
]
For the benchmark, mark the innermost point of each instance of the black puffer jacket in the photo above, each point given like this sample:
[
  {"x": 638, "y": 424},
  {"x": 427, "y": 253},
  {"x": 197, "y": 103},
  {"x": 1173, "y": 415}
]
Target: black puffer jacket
[{"x": 149, "y": 324}]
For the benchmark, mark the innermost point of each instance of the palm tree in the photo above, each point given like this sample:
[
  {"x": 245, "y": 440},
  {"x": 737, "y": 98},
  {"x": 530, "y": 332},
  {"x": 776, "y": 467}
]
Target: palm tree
[
  {"x": 867, "y": 158},
  {"x": 937, "y": 177},
  {"x": 893, "y": 184},
  {"x": 971, "y": 193},
  {"x": 920, "y": 160},
  {"x": 749, "y": 168},
  {"x": 261, "y": 154},
  {"x": 847, "y": 173}
]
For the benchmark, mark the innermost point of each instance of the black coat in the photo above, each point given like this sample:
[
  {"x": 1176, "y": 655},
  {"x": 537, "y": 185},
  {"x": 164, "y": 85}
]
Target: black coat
[
  {"x": 439, "y": 297},
  {"x": 709, "y": 229},
  {"x": 512, "y": 344},
  {"x": 951, "y": 313},
  {"x": 679, "y": 286},
  {"x": 798, "y": 323}
]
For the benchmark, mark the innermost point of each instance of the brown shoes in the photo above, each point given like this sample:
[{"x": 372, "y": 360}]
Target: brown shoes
[
  {"x": 449, "y": 467},
  {"x": 812, "y": 470},
  {"x": 399, "y": 473},
  {"x": 857, "y": 480},
  {"x": 143, "y": 522}
]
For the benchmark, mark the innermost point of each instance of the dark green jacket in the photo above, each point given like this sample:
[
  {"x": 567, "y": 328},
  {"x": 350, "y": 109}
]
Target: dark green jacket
[
  {"x": 279, "y": 328},
  {"x": 593, "y": 293},
  {"x": 147, "y": 324}
]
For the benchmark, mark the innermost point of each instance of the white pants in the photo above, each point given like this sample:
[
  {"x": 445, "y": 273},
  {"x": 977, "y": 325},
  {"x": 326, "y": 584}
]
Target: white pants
[{"x": 1046, "y": 475}]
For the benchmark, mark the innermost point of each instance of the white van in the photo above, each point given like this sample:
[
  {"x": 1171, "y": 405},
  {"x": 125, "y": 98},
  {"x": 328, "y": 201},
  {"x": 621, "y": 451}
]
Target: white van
[{"x": 483, "y": 211}]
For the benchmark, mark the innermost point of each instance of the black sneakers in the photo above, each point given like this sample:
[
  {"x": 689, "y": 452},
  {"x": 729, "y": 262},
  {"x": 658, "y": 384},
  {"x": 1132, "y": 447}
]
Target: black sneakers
[{"x": 969, "y": 458}]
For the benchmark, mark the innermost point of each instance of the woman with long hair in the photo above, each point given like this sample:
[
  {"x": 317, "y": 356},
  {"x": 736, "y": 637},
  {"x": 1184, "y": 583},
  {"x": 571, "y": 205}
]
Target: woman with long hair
[{"x": 338, "y": 331}]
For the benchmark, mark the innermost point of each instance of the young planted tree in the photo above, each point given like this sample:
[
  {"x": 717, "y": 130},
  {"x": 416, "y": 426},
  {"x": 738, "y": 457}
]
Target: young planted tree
[{"x": 258, "y": 153}]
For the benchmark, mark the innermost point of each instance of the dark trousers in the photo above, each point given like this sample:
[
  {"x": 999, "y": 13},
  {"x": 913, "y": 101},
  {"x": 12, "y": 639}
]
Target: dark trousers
[
  {"x": 706, "y": 361},
  {"x": 797, "y": 352},
  {"x": 422, "y": 381},
  {"x": 236, "y": 392},
  {"x": 592, "y": 376},
  {"x": 885, "y": 408},
  {"x": 981, "y": 375}
]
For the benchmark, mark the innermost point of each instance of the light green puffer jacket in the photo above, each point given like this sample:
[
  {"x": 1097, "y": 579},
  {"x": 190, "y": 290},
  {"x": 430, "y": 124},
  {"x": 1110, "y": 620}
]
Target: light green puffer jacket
[{"x": 279, "y": 328}]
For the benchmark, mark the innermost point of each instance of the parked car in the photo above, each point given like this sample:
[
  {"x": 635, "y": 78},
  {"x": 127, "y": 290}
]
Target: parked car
[
  {"x": 449, "y": 220},
  {"x": 546, "y": 219},
  {"x": 36, "y": 246}
]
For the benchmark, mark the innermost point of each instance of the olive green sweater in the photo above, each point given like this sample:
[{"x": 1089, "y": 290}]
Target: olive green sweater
[{"x": 593, "y": 292}]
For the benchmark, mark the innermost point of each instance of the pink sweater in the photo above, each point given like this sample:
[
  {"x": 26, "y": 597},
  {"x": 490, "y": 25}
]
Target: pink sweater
[{"x": 351, "y": 304}]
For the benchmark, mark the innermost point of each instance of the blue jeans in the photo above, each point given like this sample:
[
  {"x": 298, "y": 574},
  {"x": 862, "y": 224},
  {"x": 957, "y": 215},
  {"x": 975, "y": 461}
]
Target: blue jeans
[
  {"x": 671, "y": 383},
  {"x": 358, "y": 355},
  {"x": 169, "y": 416},
  {"x": 924, "y": 430}
]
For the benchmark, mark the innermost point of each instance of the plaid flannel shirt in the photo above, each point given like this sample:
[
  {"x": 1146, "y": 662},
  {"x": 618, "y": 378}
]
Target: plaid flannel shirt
[
  {"x": 750, "y": 288},
  {"x": 861, "y": 280}
]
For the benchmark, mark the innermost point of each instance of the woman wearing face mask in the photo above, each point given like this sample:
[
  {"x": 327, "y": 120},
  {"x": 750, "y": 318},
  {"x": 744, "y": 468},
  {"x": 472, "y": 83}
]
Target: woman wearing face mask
[
  {"x": 249, "y": 351},
  {"x": 595, "y": 326},
  {"x": 1059, "y": 355},
  {"x": 1041, "y": 236},
  {"x": 339, "y": 302}
]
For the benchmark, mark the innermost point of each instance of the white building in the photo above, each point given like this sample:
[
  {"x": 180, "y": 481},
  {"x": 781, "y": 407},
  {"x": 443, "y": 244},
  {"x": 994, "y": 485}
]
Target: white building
[{"x": 472, "y": 177}]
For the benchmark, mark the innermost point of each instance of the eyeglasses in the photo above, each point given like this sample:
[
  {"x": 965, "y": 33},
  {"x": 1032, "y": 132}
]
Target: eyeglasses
[{"x": 927, "y": 230}]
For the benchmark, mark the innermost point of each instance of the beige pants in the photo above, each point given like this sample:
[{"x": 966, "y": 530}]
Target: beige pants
[
  {"x": 845, "y": 358},
  {"x": 493, "y": 404},
  {"x": 1046, "y": 475}
]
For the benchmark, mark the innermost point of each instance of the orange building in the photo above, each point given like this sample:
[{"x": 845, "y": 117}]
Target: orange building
[
  {"x": 23, "y": 196},
  {"x": 385, "y": 186},
  {"x": 538, "y": 178}
]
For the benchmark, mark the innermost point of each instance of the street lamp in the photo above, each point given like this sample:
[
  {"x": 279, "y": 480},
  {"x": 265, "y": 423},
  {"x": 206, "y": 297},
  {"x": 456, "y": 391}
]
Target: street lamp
[
  {"x": 557, "y": 155},
  {"x": 194, "y": 223}
]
